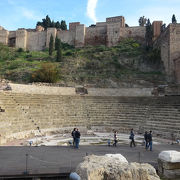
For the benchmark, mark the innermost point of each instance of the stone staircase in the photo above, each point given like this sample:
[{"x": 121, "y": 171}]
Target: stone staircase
[{"x": 27, "y": 112}]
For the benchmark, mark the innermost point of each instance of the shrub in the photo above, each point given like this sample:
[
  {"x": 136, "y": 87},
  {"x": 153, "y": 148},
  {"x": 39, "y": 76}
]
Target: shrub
[
  {"x": 68, "y": 53},
  {"x": 100, "y": 48},
  {"x": 154, "y": 56},
  {"x": 48, "y": 73},
  {"x": 6, "y": 53},
  {"x": 66, "y": 46},
  {"x": 20, "y": 50}
]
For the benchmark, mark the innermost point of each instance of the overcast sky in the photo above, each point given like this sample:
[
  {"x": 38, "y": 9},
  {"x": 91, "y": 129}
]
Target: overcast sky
[{"x": 25, "y": 13}]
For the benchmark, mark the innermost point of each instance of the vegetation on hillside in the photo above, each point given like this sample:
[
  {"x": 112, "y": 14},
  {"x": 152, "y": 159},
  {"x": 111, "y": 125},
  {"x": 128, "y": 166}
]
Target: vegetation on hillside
[{"x": 101, "y": 66}]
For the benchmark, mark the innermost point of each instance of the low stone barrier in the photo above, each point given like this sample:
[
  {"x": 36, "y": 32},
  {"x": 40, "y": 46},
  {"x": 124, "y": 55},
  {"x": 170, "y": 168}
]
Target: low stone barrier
[{"x": 169, "y": 164}]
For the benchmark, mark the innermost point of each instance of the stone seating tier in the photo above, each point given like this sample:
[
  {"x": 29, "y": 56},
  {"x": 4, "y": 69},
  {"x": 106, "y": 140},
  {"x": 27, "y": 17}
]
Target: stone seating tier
[{"x": 26, "y": 112}]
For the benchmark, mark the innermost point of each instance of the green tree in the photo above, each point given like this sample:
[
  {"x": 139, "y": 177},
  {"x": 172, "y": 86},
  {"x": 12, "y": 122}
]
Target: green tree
[
  {"x": 59, "y": 51},
  {"x": 56, "y": 42},
  {"x": 174, "y": 19},
  {"x": 58, "y": 25},
  {"x": 52, "y": 24},
  {"x": 51, "y": 45},
  {"x": 142, "y": 21},
  {"x": 63, "y": 25},
  {"x": 46, "y": 22},
  {"x": 148, "y": 35}
]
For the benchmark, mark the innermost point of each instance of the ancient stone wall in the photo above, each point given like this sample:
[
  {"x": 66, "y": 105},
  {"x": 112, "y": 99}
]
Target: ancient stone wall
[
  {"x": 4, "y": 36},
  {"x": 156, "y": 25},
  {"x": 21, "y": 38},
  {"x": 163, "y": 44},
  {"x": 72, "y": 26},
  {"x": 119, "y": 19},
  {"x": 96, "y": 35},
  {"x": 137, "y": 33},
  {"x": 36, "y": 41},
  {"x": 66, "y": 36},
  {"x": 113, "y": 33},
  {"x": 50, "y": 31},
  {"x": 175, "y": 50},
  {"x": 34, "y": 89},
  {"x": 177, "y": 70},
  {"x": 80, "y": 35},
  {"x": 169, "y": 44}
]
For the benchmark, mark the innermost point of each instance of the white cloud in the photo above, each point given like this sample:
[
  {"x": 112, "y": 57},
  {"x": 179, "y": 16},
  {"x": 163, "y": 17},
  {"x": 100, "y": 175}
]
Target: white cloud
[
  {"x": 29, "y": 14},
  {"x": 91, "y": 7}
]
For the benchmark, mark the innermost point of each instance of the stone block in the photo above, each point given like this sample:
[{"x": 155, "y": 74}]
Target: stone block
[{"x": 169, "y": 164}]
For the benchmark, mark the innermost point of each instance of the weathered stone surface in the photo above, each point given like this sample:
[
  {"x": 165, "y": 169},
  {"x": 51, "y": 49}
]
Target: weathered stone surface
[
  {"x": 172, "y": 174},
  {"x": 169, "y": 164},
  {"x": 170, "y": 156},
  {"x": 110, "y": 168}
]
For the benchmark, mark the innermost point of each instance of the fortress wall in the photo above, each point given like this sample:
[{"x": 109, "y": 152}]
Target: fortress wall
[
  {"x": 66, "y": 36},
  {"x": 12, "y": 34},
  {"x": 23, "y": 113},
  {"x": 36, "y": 41},
  {"x": 96, "y": 35},
  {"x": 175, "y": 50},
  {"x": 119, "y": 19},
  {"x": 21, "y": 38},
  {"x": 72, "y": 26},
  {"x": 101, "y": 24},
  {"x": 163, "y": 42},
  {"x": 169, "y": 44},
  {"x": 80, "y": 35},
  {"x": 50, "y": 31},
  {"x": 4, "y": 36},
  {"x": 113, "y": 33},
  {"x": 137, "y": 33}
]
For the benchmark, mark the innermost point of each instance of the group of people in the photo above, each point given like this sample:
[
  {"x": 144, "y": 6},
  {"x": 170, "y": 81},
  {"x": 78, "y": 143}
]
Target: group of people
[
  {"x": 147, "y": 139},
  {"x": 76, "y": 137}
]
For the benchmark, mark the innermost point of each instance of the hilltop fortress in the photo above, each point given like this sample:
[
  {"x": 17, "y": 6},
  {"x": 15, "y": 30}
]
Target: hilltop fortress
[{"x": 108, "y": 33}]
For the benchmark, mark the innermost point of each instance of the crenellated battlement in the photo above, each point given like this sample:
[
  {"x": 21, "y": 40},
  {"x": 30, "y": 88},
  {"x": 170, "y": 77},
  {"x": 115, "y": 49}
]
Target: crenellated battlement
[{"x": 107, "y": 33}]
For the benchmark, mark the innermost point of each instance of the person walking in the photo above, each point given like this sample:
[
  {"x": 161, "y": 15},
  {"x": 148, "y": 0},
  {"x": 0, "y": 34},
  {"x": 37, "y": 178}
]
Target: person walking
[
  {"x": 146, "y": 139},
  {"x": 149, "y": 137},
  {"x": 73, "y": 136},
  {"x": 115, "y": 138},
  {"x": 77, "y": 138},
  {"x": 132, "y": 138}
]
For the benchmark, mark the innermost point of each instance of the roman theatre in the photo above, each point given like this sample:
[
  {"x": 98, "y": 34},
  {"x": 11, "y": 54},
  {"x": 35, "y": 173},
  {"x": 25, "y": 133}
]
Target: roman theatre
[{"x": 26, "y": 110}]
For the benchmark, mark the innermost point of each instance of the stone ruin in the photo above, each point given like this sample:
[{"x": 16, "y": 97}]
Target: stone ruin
[
  {"x": 114, "y": 167},
  {"x": 169, "y": 164}
]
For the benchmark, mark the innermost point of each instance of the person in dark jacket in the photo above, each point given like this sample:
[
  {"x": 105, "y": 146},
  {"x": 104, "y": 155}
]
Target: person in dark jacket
[
  {"x": 115, "y": 138},
  {"x": 146, "y": 139},
  {"x": 77, "y": 138},
  {"x": 149, "y": 138},
  {"x": 132, "y": 138},
  {"x": 73, "y": 136}
]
